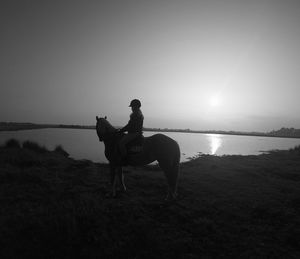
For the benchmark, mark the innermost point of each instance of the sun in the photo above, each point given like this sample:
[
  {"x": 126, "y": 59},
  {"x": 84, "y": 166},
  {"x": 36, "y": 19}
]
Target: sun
[{"x": 215, "y": 101}]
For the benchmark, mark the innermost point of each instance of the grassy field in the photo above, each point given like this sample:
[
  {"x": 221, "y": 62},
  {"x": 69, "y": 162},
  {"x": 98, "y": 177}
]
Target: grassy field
[{"x": 52, "y": 206}]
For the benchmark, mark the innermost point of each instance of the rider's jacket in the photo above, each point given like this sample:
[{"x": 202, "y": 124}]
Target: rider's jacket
[{"x": 135, "y": 124}]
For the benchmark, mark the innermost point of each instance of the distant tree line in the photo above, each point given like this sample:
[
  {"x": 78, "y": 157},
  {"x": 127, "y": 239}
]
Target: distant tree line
[
  {"x": 285, "y": 132},
  {"x": 7, "y": 126}
]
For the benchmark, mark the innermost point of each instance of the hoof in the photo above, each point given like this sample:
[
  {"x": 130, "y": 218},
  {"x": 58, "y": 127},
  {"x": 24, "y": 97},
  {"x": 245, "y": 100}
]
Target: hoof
[
  {"x": 171, "y": 197},
  {"x": 111, "y": 195}
]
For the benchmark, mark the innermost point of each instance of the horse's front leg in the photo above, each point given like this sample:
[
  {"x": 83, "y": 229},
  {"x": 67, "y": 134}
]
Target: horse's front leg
[
  {"x": 113, "y": 180},
  {"x": 171, "y": 196},
  {"x": 121, "y": 178}
]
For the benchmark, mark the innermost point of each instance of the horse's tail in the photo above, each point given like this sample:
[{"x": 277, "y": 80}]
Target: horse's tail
[{"x": 176, "y": 166}]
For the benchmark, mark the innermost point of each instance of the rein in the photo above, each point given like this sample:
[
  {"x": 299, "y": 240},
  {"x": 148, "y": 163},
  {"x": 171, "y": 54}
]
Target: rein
[
  {"x": 108, "y": 132},
  {"x": 108, "y": 136}
]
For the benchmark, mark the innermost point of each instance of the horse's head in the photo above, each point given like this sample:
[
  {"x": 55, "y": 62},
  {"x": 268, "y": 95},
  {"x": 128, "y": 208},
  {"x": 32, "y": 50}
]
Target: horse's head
[{"x": 103, "y": 127}]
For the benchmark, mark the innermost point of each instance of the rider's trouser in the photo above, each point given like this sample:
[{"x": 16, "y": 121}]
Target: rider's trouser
[{"x": 125, "y": 140}]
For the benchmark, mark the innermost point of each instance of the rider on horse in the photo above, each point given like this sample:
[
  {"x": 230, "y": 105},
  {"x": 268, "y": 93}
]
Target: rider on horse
[{"x": 134, "y": 127}]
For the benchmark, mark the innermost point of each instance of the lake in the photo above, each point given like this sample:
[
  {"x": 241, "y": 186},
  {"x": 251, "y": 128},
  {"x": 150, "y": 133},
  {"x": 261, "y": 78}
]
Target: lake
[{"x": 84, "y": 143}]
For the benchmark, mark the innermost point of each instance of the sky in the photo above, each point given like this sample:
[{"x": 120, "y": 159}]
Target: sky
[{"x": 202, "y": 65}]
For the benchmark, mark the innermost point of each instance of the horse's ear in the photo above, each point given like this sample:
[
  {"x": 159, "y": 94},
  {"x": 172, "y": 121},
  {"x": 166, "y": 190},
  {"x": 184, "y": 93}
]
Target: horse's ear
[
  {"x": 97, "y": 118},
  {"x": 105, "y": 117}
]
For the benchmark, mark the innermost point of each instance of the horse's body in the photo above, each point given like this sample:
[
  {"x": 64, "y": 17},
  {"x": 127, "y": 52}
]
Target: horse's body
[{"x": 157, "y": 147}]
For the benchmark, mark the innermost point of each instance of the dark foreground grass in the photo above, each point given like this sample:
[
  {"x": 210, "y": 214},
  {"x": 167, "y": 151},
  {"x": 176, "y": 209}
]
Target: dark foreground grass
[{"x": 52, "y": 206}]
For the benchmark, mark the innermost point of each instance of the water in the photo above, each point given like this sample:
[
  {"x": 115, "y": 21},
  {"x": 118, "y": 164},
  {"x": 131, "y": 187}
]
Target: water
[{"x": 84, "y": 144}]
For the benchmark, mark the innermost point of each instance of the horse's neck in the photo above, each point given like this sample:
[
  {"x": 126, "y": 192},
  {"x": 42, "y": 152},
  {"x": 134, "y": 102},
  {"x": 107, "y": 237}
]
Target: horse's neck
[
  {"x": 110, "y": 128},
  {"x": 111, "y": 144},
  {"x": 110, "y": 131}
]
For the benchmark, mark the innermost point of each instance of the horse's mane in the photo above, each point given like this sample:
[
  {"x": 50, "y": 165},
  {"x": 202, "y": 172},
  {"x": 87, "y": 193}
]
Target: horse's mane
[{"x": 107, "y": 124}]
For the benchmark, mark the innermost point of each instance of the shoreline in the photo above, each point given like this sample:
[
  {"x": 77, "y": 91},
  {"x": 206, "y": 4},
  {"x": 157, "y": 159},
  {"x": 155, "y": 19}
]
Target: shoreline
[{"x": 31, "y": 126}]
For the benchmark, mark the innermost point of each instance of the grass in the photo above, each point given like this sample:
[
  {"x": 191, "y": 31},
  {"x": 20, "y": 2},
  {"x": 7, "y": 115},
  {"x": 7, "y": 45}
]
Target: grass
[
  {"x": 12, "y": 143},
  {"x": 34, "y": 147},
  {"x": 52, "y": 206},
  {"x": 60, "y": 149}
]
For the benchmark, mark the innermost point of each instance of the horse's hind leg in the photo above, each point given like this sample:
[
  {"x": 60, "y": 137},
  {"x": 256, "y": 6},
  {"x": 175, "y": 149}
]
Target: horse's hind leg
[
  {"x": 121, "y": 178},
  {"x": 173, "y": 175},
  {"x": 113, "y": 180},
  {"x": 171, "y": 172}
]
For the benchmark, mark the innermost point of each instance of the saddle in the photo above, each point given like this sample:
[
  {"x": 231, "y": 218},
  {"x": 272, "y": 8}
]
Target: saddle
[
  {"x": 133, "y": 147},
  {"x": 136, "y": 145}
]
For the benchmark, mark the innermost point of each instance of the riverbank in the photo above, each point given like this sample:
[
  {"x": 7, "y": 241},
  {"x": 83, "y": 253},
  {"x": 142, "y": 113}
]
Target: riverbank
[
  {"x": 292, "y": 133},
  {"x": 52, "y": 206}
]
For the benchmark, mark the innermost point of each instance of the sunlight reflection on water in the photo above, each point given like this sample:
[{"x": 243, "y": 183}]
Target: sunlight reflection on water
[
  {"x": 215, "y": 142},
  {"x": 84, "y": 144}
]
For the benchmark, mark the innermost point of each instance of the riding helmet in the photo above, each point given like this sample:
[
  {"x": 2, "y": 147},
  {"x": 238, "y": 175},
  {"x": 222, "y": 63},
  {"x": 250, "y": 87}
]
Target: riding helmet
[{"x": 135, "y": 103}]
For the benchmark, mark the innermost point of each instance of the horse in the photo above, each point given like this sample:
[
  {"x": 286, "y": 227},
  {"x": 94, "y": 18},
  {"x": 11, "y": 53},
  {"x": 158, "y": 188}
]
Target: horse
[{"x": 157, "y": 147}]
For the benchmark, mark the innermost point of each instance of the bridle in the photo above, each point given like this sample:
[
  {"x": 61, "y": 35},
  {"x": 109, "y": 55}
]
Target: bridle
[{"x": 106, "y": 135}]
